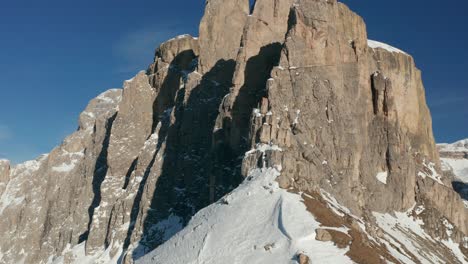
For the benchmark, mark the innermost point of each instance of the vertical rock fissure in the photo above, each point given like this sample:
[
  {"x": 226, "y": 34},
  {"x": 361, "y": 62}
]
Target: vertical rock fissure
[
  {"x": 257, "y": 72},
  {"x": 375, "y": 93},
  {"x": 183, "y": 185},
  {"x": 100, "y": 171},
  {"x": 135, "y": 211},
  {"x": 129, "y": 173}
]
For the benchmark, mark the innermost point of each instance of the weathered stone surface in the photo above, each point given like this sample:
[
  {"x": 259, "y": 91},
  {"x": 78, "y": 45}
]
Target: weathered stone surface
[
  {"x": 4, "y": 174},
  {"x": 221, "y": 30},
  {"x": 344, "y": 113},
  {"x": 132, "y": 125},
  {"x": 46, "y": 204},
  {"x": 294, "y": 85},
  {"x": 174, "y": 50},
  {"x": 446, "y": 201},
  {"x": 260, "y": 49},
  {"x": 409, "y": 97},
  {"x": 303, "y": 259},
  {"x": 131, "y": 128},
  {"x": 323, "y": 235}
]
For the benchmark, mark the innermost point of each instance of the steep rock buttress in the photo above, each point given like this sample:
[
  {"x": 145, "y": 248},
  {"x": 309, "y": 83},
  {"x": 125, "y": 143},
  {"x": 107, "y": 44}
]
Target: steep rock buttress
[{"x": 293, "y": 85}]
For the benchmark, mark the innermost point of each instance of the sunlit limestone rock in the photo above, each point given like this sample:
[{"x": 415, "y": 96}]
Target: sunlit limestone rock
[
  {"x": 46, "y": 204},
  {"x": 328, "y": 132},
  {"x": 221, "y": 30},
  {"x": 260, "y": 47},
  {"x": 339, "y": 113},
  {"x": 4, "y": 174},
  {"x": 130, "y": 130}
]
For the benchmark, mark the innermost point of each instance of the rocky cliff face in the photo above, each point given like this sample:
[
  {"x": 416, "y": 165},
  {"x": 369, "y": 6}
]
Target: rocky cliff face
[
  {"x": 4, "y": 174},
  {"x": 291, "y": 85}
]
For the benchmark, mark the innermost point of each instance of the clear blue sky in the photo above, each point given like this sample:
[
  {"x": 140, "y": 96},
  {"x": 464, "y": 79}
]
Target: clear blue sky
[{"x": 56, "y": 55}]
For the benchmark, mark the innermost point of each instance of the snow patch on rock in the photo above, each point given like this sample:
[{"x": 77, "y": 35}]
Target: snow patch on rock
[
  {"x": 65, "y": 167},
  {"x": 430, "y": 172},
  {"x": 458, "y": 166},
  {"x": 379, "y": 45},
  {"x": 382, "y": 177}
]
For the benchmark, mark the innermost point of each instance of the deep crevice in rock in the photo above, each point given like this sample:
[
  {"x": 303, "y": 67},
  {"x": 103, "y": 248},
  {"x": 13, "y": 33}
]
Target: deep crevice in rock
[
  {"x": 129, "y": 173},
  {"x": 202, "y": 164},
  {"x": 183, "y": 186},
  {"x": 135, "y": 211},
  {"x": 257, "y": 72},
  {"x": 100, "y": 171},
  {"x": 181, "y": 64}
]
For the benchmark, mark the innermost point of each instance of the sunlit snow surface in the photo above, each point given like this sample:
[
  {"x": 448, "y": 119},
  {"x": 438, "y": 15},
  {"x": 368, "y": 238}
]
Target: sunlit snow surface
[
  {"x": 459, "y": 167},
  {"x": 77, "y": 254},
  {"x": 379, "y": 45},
  {"x": 382, "y": 177},
  {"x": 458, "y": 146},
  {"x": 257, "y": 223}
]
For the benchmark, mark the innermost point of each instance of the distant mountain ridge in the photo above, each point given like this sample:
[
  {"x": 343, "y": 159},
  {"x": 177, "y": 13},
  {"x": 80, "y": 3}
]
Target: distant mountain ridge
[
  {"x": 280, "y": 134},
  {"x": 454, "y": 158}
]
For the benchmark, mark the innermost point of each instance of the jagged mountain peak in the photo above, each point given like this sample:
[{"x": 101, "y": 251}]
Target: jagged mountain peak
[
  {"x": 459, "y": 146},
  {"x": 282, "y": 130}
]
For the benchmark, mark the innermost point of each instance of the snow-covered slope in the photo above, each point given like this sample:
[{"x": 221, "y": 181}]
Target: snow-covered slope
[
  {"x": 459, "y": 167},
  {"x": 262, "y": 223},
  {"x": 256, "y": 223},
  {"x": 459, "y": 146},
  {"x": 455, "y": 157}
]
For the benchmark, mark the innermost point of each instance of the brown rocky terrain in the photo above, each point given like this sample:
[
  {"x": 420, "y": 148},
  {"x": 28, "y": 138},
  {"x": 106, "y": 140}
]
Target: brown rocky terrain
[{"x": 293, "y": 85}]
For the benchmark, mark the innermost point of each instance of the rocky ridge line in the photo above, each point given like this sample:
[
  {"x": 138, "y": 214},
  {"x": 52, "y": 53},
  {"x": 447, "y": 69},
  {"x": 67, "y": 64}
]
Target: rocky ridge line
[{"x": 296, "y": 76}]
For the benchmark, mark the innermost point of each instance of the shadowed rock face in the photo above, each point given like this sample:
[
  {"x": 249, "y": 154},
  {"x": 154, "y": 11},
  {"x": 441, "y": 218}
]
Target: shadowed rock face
[
  {"x": 461, "y": 188},
  {"x": 295, "y": 75}
]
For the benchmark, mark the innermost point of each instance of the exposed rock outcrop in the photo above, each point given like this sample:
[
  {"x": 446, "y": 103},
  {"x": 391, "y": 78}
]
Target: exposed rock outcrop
[
  {"x": 342, "y": 112},
  {"x": 220, "y": 31},
  {"x": 4, "y": 174},
  {"x": 293, "y": 85},
  {"x": 46, "y": 205}
]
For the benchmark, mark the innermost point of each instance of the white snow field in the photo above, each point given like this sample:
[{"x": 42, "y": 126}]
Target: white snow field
[
  {"x": 256, "y": 223},
  {"x": 458, "y": 165}
]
